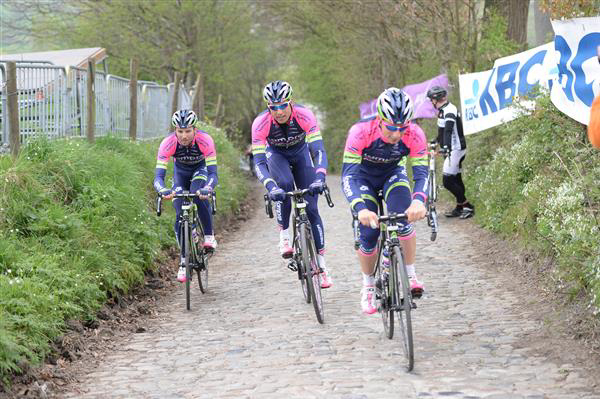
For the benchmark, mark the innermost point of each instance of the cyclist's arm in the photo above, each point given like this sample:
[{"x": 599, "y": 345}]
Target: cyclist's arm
[
  {"x": 351, "y": 167},
  {"x": 260, "y": 131},
  {"x": 165, "y": 151},
  {"x": 308, "y": 122},
  {"x": 207, "y": 145},
  {"x": 419, "y": 161}
]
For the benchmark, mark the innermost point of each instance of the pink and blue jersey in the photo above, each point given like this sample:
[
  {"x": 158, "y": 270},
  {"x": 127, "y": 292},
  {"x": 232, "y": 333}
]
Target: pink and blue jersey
[
  {"x": 368, "y": 156},
  {"x": 201, "y": 153},
  {"x": 288, "y": 139}
]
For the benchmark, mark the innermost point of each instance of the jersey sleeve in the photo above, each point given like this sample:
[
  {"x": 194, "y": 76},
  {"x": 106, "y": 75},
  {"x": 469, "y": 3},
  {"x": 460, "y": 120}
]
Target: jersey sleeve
[
  {"x": 260, "y": 132},
  {"x": 450, "y": 113},
  {"x": 355, "y": 143},
  {"x": 419, "y": 161},
  {"x": 165, "y": 151},
  {"x": 308, "y": 122},
  {"x": 207, "y": 146}
]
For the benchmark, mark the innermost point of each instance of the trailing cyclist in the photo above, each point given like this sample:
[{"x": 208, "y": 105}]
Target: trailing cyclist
[
  {"x": 374, "y": 159},
  {"x": 284, "y": 137},
  {"x": 194, "y": 170},
  {"x": 451, "y": 137}
]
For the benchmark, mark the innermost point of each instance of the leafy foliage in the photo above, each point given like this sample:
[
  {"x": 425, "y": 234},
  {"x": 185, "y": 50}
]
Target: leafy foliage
[
  {"x": 542, "y": 186},
  {"x": 77, "y": 224}
]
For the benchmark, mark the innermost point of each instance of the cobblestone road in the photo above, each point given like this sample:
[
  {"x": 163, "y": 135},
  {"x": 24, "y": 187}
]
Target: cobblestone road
[{"x": 252, "y": 336}]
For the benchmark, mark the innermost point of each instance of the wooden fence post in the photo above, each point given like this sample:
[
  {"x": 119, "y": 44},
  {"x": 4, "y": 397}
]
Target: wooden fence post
[
  {"x": 218, "y": 111},
  {"x": 133, "y": 100},
  {"x": 13, "y": 108},
  {"x": 175, "y": 97},
  {"x": 91, "y": 101},
  {"x": 198, "y": 100}
]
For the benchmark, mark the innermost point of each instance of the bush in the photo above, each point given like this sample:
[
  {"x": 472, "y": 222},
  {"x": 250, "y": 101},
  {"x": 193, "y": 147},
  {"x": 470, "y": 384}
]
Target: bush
[
  {"x": 77, "y": 225},
  {"x": 542, "y": 185}
]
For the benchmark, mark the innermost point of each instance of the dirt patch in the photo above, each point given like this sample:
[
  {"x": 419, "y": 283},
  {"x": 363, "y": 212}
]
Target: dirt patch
[
  {"x": 84, "y": 344},
  {"x": 568, "y": 333}
]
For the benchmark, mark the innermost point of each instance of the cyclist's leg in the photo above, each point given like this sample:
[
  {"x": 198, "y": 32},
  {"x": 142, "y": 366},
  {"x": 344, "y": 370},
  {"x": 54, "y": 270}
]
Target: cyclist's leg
[
  {"x": 279, "y": 167},
  {"x": 181, "y": 182},
  {"x": 367, "y": 250},
  {"x": 452, "y": 182},
  {"x": 198, "y": 181}
]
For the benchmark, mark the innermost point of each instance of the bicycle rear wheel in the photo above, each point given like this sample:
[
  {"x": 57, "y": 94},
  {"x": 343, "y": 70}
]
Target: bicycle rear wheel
[
  {"x": 312, "y": 275},
  {"x": 403, "y": 306},
  {"x": 384, "y": 291},
  {"x": 186, "y": 247}
]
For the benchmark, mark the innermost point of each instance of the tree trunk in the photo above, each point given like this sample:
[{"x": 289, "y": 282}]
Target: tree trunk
[
  {"x": 198, "y": 100},
  {"x": 515, "y": 13},
  {"x": 133, "y": 101},
  {"x": 543, "y": 27},
  {"x": 518, "y": 10}
]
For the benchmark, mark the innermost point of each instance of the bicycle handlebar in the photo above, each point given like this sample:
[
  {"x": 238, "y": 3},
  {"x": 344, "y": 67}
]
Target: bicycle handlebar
[
  {"x": 297, "y": 194},
  {"x": 212, "y": 199}
]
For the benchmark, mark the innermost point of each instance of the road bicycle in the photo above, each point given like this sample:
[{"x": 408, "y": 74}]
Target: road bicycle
[
  {"x": 304, "y": 260},
  {"x": 191, "y": 235},
  {"x": 432, "y": 218},
  {"x": 392, "y": 285}
]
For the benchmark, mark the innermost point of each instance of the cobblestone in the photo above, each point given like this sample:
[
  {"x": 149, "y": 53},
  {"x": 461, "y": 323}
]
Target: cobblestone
[{"x": 251, "y": 335}]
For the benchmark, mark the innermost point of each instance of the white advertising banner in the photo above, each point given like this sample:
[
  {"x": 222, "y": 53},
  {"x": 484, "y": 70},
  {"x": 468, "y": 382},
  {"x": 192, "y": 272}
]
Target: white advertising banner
[
  {"x": 578, "y": 82},
  {"x": 486, "y": 97}
]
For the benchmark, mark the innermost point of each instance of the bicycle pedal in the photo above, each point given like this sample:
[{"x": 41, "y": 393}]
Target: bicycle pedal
[{"x": 292, "y": 266}]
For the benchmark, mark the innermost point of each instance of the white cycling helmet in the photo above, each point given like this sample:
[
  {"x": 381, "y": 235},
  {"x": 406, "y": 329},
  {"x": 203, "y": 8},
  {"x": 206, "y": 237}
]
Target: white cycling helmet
[
  {"x": 395, "y": 106},
  {"x": 277, "y": 91},
  {"x": 184, "y": 118}
]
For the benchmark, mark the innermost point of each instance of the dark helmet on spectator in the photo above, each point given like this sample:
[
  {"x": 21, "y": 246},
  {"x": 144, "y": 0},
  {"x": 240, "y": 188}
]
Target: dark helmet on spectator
[{"x": 436, "y": 93}]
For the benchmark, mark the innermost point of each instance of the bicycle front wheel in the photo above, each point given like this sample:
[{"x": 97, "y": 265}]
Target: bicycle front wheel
[
  {"x": 299, "y": 262},
  {"x": 201, "y": 259},
  {"x": 312, "y": 271},
  {"x": 187, "y": 248},
  {"x": 403, "y": 306},
  {"x": 384, "y": 292}
]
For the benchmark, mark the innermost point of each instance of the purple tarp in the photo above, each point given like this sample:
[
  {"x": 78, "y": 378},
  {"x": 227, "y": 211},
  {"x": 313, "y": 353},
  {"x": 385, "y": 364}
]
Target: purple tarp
[{"x": 418, "y": 93}]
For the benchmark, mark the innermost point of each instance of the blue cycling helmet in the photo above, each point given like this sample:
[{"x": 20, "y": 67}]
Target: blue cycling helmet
[
  {"x": 395, "y": 106},
  {"x": 277, "y": 91},
  {"x": 184, "y": 118}
]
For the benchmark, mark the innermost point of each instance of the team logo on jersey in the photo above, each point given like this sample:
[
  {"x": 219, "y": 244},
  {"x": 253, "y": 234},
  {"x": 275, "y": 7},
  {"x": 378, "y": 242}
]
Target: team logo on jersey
[{"x": 364, "y": 188}]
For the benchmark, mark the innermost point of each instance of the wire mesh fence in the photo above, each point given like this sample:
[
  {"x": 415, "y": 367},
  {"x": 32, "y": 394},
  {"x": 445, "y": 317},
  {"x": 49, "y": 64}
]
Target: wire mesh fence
[{"x": 52, "y": 102}]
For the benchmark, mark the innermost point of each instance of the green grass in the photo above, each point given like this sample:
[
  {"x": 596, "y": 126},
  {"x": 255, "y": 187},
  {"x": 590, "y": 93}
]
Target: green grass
[
  {"x": 537, "y": 180},
  {"x": 77, "y": 224}
]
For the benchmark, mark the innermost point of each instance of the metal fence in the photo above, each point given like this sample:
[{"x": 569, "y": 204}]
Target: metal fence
[{"x": 52, "y": 102}]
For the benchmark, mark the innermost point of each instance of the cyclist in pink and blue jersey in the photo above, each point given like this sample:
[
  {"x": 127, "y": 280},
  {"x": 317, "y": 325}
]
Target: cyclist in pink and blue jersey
[
  {"x": 374, "y": 159},
  {"x": 194, "y": 170},
  {"x": 288, "y": 150}
]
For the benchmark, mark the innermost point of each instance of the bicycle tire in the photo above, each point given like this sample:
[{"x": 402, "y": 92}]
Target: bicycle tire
[
  {"x": 316, "y": 278},
  {"x": 201, "y": 259},
  {"x": 188, "y": 273},
  {"x": 385, "y": 298},
  {"x": 299, "y": 264},
  {"x": 404, "y": 306},
  {"x": 308, "y": 264}
]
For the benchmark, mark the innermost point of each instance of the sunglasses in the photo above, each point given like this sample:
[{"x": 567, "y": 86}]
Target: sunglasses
[
  {"x": 279, "y": 107},
  {"x": 394, "y": 128}
]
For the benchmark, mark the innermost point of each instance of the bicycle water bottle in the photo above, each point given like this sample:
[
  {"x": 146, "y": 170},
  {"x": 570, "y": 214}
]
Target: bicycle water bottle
[
  {"x": 195, "y": 234},
  {"x": 385, "y": 261}
]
